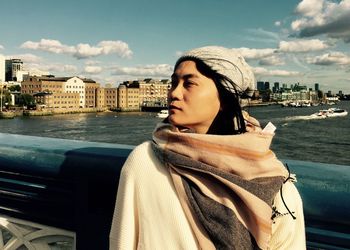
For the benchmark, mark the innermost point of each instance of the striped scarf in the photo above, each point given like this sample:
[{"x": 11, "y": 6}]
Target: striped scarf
[{"x": 226, "y": 184}]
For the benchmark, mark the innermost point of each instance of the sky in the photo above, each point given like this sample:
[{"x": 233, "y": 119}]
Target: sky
[{"x": 111, "y": 41}]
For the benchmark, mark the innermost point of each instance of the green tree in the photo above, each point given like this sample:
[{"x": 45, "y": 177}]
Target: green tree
[
  {"x": 6, "y": 97},
  {"x": 26, "y": 100},
  {"x": 14, "y": 88},
  {"x": 320, "y": 94}
]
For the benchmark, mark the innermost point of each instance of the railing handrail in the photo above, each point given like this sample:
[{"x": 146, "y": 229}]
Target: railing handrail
[{"x": 72, "y": 185}]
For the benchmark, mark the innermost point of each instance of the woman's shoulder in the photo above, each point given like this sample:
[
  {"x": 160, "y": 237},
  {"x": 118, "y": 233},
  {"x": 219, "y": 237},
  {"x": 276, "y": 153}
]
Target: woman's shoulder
[
  {"x": 289, "y": 191},
  {"x": 141, "y": 149},
  {"x": 140, "y": 160},
  {"x": 288, "y": 229},
  {"x": 287, "y": 201}
]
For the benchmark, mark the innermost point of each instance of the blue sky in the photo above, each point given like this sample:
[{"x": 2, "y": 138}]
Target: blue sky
[{"x": 111, "y": 41}]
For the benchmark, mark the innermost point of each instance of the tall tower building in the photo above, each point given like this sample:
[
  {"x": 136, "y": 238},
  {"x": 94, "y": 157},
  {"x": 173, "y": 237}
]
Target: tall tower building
[
  {"x": 12, "y": 66},
  {"x": 317, "y": 87},
  {"x": 261, "y": 86},
  {"x": 267, "y": 85},
  {"x": 276, "y": 87}
]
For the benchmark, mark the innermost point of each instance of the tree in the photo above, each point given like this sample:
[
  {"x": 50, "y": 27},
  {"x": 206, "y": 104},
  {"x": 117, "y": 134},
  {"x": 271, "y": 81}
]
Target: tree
[
  {"x": 26, "y": 100},
  {"x": 320, "y": 94},
  {"x": 14, "y": 88},
  {"x": 5, "y": 97}
]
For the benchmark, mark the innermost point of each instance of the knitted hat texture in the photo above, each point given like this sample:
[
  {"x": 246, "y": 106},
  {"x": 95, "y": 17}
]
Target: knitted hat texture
[{"x": 239, "y": 77}]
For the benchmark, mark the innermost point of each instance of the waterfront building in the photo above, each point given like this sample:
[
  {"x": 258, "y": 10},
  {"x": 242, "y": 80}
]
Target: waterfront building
[
  {"x": 289, "y": 95},
  {"x": 100, "y": 98},
  {"x": 331, "y": 99},
  {"x": 75, "y": 85},
  {"x": 66, "y": 101},
  {"x": 128, "y": 96},
  {"x": 154, "y": 93},
  {"x": 21, "y": 74},
  {"x": 282, "y": 96},
  {"x": 313, "y": 96},
  {"x": 297, "y": 87},
  {"x": 57, "y": 101},
  {"x": 67, "y": 92},
  {"x": 32, "y": 85},
  {"x": 12, "y": 66},
  {"x": 111, "y": 97},
  {"x": 91, "y": 93},
  {"x": 2, "y": 68}
]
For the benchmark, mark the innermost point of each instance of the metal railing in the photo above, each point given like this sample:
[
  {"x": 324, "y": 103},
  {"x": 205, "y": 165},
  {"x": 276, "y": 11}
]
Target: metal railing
[{"x": 70, "y": 187}]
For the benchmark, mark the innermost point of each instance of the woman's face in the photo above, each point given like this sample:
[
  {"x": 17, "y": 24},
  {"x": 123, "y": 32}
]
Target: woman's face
[{"x": 193, "y": 98}]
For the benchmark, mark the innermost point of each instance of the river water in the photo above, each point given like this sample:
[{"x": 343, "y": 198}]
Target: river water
[{"x": 297, "y": 138}]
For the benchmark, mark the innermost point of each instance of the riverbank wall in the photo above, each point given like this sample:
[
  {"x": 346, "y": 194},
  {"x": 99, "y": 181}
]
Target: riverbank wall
[{"x": 45, "y": 112}]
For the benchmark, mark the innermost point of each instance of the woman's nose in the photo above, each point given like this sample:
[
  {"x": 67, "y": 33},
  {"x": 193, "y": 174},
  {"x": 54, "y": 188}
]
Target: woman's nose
[{"x": 175, "y": 93}]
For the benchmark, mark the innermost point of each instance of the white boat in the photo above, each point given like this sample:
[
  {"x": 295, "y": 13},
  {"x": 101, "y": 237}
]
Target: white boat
[
  {"x": 331, "y": 112},
  {"x": 163, "y": 113}
]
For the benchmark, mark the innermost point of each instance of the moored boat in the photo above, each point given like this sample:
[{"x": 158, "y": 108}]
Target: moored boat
[
  {"x": 163, "y": 113},
  {"x": 6, "y": 115}
]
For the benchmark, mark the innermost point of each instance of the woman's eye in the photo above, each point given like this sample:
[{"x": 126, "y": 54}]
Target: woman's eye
[{"x": 188, "y": 84}]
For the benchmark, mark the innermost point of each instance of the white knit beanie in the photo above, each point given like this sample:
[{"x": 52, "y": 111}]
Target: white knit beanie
[{"x": 228, "y": 63}]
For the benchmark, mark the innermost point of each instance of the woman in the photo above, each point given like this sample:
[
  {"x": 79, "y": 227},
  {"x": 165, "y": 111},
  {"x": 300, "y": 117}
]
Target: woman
[{"x": 208, "y": 179}]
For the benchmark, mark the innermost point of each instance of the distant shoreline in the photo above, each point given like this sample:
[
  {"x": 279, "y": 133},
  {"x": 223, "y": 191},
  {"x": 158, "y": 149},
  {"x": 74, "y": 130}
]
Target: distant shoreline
[{"x": 48, "y": 112}]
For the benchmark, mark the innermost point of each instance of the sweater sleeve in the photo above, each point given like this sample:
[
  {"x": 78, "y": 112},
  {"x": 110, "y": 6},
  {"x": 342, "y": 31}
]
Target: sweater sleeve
[
  {"x": 287, "y": 232},
  {"x": 124, "y": 229}
]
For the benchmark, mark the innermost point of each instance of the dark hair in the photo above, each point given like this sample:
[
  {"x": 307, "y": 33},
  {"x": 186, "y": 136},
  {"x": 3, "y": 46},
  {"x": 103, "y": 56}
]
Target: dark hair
[{"x": 229, "y": 120}]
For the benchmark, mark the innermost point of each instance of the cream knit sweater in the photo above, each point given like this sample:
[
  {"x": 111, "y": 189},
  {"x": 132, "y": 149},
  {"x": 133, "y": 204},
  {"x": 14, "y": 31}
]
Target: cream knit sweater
[{"x": 148, "y": 213}]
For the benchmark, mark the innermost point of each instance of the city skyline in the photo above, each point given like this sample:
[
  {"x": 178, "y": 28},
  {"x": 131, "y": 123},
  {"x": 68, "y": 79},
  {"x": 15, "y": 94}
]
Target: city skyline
[{"x": 113, "y": 41}]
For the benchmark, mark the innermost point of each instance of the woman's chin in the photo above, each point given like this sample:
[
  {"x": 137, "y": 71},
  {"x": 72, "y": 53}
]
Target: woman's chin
[{"x": 173, "y": 119}]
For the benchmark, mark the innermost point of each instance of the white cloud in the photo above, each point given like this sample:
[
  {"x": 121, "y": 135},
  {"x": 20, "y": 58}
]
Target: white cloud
[
  {"x": 69, "y": 68},
  {"x": 53, "y": 67},
  {"x": 160, "y": 70},
  {"x": 333, "y": 58},
  {"x": 118, "y": 47},
  {"x": 309, "y": 7},
  {"x": 323, "y": 17},
  {"x": 302, "y": 45},
  {"x": 299, "y": 63},
  {"x": 259, "y": 71},
  {"x": 278, "y": 23},
  {"x": 271, "y": 60},
  {"x": 1, "y": 47},
  {"x": 53, "y": 46},
  {"x": 26, "y": 58},
  {"x": 260, "y": 35},
  {"x": 248, "y": 53},
  {"x": 179, "y": 53},
  {"x": 82, "y": 50},
  {"x": 93, "y": 69},
  {"x": 92, "y": 62}
]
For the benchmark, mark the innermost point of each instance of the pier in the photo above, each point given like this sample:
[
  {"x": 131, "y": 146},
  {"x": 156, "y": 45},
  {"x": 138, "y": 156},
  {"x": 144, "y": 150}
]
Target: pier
[{"x": 60, "y": 192}]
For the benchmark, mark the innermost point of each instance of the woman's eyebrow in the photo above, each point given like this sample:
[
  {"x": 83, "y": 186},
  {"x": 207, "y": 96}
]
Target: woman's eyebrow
[{"x": 187, "y": 76}]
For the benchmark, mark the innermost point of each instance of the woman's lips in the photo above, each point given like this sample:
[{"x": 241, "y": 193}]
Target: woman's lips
[{"x": 172, "y": 107}]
